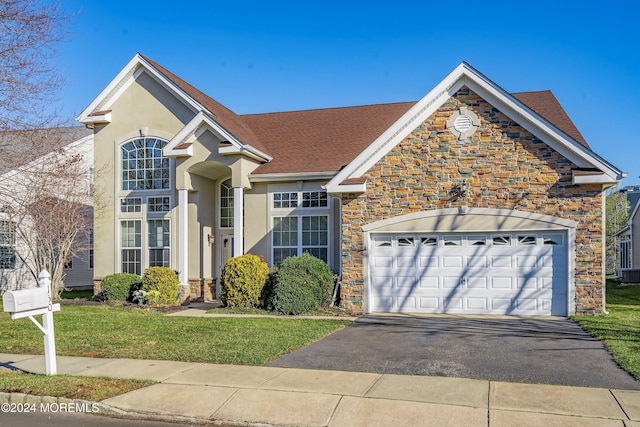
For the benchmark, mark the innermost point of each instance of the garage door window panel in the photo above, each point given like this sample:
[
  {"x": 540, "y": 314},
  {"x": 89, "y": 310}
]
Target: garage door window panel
[{"x": 501, "y": 240}]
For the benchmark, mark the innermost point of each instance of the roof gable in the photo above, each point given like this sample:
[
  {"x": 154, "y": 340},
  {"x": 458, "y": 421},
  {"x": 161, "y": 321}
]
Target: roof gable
[
  {"x": 98, "y": 109},
  {"x": 525, "y": 116}
]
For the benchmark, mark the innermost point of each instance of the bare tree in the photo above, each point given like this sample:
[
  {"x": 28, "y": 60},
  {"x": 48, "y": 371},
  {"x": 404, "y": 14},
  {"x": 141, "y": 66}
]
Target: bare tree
[
  {"x": 48, "y": 206},
  {"x": 30, "y": 31},
  {"x": 617, "y": 215}
]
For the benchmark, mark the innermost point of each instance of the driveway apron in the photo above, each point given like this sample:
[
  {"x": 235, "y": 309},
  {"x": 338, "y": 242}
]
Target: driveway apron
[{"x": 525, "y": 350}]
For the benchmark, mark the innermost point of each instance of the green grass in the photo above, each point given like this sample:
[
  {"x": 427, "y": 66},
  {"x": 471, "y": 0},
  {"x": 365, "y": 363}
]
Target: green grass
[
  {"x": 620, "y": 329},
  {"x": 103, "y": 331},
  {"x": 86, "y": 388}
]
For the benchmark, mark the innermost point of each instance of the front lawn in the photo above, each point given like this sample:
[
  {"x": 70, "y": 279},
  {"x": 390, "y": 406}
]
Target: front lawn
[
  {"x": 103, "y": 331},
  {"x": 86, "y": 388},
  {"x": 620, "y": 329}
]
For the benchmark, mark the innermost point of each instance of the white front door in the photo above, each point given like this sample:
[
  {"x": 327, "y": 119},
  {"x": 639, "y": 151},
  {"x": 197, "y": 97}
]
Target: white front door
[{"x": 498, "y": 273}]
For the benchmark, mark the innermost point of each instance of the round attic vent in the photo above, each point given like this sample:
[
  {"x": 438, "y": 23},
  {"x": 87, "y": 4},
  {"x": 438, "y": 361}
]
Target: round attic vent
[{"x": 463, "y": 123}]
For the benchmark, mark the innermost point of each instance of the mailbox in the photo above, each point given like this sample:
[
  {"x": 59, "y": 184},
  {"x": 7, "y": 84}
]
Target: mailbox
[{"x": 25, "y": 299}]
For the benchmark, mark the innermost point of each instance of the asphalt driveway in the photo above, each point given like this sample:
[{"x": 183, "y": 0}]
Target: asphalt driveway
[{"x": 527, "y": 350}]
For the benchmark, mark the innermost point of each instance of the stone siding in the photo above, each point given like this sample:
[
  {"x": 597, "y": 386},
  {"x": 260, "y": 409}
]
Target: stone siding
[{"x": 503, "y": 165}]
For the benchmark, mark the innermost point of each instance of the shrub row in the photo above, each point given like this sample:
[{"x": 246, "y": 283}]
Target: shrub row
[
  {"x": 157, "y": 285},
  {"x": 300, "y": 284}
]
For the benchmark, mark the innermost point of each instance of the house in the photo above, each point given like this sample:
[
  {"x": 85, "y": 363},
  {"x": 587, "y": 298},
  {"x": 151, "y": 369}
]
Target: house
[
  {"x": 26, "y": 174},
  {"x": 470, "y": 200},
  {"x": 629, "y": 238}
]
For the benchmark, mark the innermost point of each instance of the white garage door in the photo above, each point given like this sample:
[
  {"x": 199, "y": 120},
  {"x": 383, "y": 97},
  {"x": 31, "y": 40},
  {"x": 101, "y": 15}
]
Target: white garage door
[{"x": 515, "y": 273}]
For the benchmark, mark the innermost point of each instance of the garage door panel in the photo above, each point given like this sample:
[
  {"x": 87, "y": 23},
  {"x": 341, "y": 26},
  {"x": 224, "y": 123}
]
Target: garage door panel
[
  {"x": 507, "y": 273},
  {"x": 477, "y": 282},
  {"x": 406, "y": 282},
  {"x": 526, "y": 261},
  {"x": 402, "y": 261},
  {"x": 501, "y": 282},
  {"x": 527, "y": 304},
  {"x": 429, "y": 283},
  {"x": 428, "y": 261},
  {"x": 501, "y": 261},
  {"x": 479, "y": 304},
  {"x": 451, "y": 282},
  {"x": 477, "y": 261},
  {"x": 430, "y": 303},
  {"x": 452, "y": 303},
  {"x": 451, "y": 261},
  {"x": 383, "y": 261}
]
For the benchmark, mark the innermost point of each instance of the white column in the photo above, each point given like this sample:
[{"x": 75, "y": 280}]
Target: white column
[
  {"x": 183, "y": 236},
  {"x": 238, "y": 226}
]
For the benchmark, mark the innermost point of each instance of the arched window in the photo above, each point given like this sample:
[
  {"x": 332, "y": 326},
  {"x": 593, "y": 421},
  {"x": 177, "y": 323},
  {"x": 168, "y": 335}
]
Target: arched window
[
  {"x": 226, "y": 204},
  {"x": 143, "y": 166}
]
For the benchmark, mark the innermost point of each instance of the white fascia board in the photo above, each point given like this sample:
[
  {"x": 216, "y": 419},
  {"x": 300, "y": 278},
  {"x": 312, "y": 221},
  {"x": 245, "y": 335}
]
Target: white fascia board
[
  {"x": 134, "y": 68},
  {"x": 245, "y": 150},
  {"x": 282, "y": 177},
  {"x": 465, "y": 75},
  {"x": 111, "y": 88},
  {"x": 347, "y": 188},
  {"x": 98, "y": 119},
  {"x": 593, "y": 179}
]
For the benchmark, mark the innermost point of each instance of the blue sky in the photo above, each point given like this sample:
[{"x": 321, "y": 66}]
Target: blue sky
[{"x": 289, "y": 55}]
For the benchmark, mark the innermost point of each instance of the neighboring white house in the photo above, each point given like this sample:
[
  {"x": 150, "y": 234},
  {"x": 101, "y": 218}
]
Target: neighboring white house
[{"x": 16, "y": 267}]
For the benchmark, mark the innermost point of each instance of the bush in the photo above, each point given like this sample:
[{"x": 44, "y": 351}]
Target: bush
[
  {"x": 301, "y": 284},
  {"x": 242, "y": 282},
  {"x": 120, "y": 286},
  {"x": 163, "y": 280}
]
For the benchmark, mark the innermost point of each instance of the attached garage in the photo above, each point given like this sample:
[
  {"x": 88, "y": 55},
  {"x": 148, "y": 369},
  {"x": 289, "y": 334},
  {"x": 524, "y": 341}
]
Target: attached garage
[{"x": 456, "y": 266}]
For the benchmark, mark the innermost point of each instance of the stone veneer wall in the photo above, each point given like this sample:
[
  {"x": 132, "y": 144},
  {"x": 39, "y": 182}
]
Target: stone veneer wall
[{"x": 504, "y": 167}]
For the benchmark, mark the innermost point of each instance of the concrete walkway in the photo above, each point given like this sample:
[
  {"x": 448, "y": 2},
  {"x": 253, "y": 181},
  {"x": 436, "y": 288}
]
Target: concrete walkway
[{"x": 252, "y": 395}]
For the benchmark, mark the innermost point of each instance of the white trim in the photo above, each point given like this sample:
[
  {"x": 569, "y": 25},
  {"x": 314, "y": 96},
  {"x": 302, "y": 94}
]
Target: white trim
[
  {"x": 238, "y": 220},
  {"x": 136, "y": 193},
  {"x": 98, "y": 119},
  {"x": 593, "y": 179},
  {"x": 183, "y": 236},
  {"x": 134, "y": 68},
  {"x": 282, "y": 177},
  {"x": 148, "y": 247},
  {"x": 465, "y": 75},
  {"x": 560, "y": 222}
]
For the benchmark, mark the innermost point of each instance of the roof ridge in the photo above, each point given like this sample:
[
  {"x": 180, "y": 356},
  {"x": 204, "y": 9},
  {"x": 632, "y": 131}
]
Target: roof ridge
[
  {"x": 227, "y": 118},
  {"x": 382, "y": 104}
]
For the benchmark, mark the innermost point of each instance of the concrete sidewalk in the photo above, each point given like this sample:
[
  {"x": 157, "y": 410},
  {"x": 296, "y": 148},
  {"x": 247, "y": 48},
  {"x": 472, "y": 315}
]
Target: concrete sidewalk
[{"x": 248, "y": 395}]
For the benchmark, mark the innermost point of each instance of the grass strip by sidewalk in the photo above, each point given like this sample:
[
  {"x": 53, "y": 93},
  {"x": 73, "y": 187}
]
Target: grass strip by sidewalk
[
  {"x": 87, "y": 388},
  {"x": 620, "y": 329},
  {"x": 103, "y": 331}
]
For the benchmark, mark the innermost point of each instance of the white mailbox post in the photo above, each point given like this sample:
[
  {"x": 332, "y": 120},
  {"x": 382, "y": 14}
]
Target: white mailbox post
[{"x": 32, "y": 302}]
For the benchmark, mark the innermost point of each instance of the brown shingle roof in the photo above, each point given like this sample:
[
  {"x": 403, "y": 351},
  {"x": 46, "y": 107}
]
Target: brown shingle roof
[
  {"x": 221, "y": 114},
  {"x": 546, "y": 104},
  {"x": 321, "y": 140},
  {"x": 326, "y": 140}
]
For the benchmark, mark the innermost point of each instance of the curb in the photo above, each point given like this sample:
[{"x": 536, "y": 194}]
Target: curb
[{"x": 23, "y": 402}]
